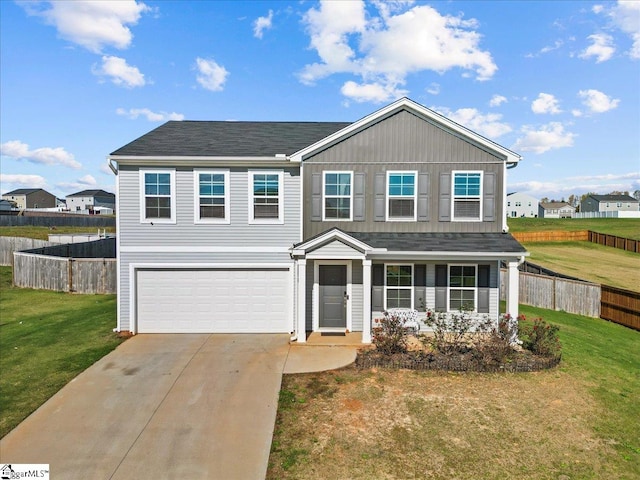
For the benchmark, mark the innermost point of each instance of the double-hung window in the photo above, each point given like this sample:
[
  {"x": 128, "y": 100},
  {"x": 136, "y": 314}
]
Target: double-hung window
[
  {"x": 467, "y": 196},
  {"x": 398, "y": 286},
  {"x": 337, "y": 190},
  {"x": 211, "y": 196},
  {"x": 463, "y": 284},
  {"x": 265, "y": 197},
  {"x": 401, "y": 196},
  {"x": 157, "y": 201}
]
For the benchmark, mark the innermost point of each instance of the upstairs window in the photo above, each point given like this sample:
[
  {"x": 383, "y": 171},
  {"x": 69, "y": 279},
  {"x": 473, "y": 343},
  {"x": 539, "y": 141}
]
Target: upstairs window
[
  {"x": 337, "y": 196},
  {"x": 398, "y": 287},
  {"x": 467, "y": 195},
  {"x": 401, "y": 196},
  {"x": 265, "y": 197},
  {"x": 212, "y": 196},
  {"x": 158, "y": 198}
]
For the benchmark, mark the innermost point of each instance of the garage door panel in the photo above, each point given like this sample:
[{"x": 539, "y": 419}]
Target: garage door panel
[{"x": 214, "y": 300}]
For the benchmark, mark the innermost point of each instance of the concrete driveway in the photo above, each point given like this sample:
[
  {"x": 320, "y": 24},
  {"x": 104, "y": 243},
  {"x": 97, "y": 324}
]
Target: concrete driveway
[{"x": 161, "y": 406}]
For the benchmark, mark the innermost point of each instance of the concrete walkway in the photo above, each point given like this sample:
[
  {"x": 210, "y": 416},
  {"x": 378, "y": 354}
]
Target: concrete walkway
[{"x": 169, "y": 406}]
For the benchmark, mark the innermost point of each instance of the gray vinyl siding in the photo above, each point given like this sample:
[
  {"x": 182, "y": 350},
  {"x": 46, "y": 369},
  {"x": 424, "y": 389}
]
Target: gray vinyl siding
[
  {"x": 357, "y": 296},
  {"x": 309, "y": 295},
  {"x": 189, "y": 259},
  {"x": 185, "y": 232},
  {"x": 335, "y": 249},
  {"x": 404, "y": 142}
]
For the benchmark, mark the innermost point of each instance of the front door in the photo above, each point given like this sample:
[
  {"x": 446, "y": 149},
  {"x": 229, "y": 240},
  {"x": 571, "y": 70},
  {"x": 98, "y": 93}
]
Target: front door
[{"x": 333, "y": 296}]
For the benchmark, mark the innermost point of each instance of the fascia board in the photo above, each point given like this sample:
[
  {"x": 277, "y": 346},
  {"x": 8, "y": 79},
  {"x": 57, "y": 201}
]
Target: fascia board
[
  {"x": 389, "y": 255},
  {"x": 510, "y": 156},
  {"x": 198, "y": 160}
]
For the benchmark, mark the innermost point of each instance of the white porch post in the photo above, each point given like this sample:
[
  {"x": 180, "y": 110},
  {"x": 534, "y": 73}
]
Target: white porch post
[
  {"x": 302, "y": 300},
  {"x": 513, "y": 281},
  {"x": 366, "y": 301}
]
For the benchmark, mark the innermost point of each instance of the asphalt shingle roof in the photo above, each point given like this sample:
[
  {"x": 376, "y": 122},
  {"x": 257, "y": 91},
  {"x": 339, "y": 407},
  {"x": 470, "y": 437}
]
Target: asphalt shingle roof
[
  {"x": 613, "y": 198},
  {"x": 92, "y": 193},
  {"x": 229, "y": 139},
  {"x": 23, "y": 191}
]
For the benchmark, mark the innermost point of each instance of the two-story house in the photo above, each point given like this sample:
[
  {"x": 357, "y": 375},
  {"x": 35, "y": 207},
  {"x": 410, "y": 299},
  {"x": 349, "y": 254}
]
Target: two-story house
[
  {"x": 31, "y": 198},
  {"x": 92, "y": 201},
  {"x": 521, "y": 205},
  {"x": 302, "y": 226},
  {"x": 609, "y": 203}
]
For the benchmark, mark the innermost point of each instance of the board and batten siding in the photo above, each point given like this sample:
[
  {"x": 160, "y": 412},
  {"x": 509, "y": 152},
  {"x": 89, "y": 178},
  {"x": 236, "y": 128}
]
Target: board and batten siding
[
  {"x": 406, "y": 142},
  {"x": 186, "y": 232}
]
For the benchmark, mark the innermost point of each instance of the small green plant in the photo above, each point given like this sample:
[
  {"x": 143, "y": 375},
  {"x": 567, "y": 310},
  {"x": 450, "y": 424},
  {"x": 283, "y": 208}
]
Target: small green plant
[
  {"x": 390, "y": 335},
  {"x": 539, "y": 336},
  {"x": 451, "y": 330}
]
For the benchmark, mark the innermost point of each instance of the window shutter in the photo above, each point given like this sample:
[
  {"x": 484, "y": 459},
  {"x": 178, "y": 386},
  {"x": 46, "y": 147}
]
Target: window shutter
[
  {"x": 423, "y": 197},
  {"x": 377, "y": 290},
  {"x": 484, "y": 272},
  {"x": 358, "y": 197},
  {"x": 380, "y": 197},
  {"x": 377, "y": 273},
  {"x": 441, "y": 288},
  {"x": 444, "y": 205},
  {"x": 316, "y": 197},
  {"x": 489, "y": 197},
  {"x": 484, "y": 279},
  {"x": 420, "y": 275}
]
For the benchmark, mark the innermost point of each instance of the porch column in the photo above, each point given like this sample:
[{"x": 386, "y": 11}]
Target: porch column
[
  {"x": 366, "y": 301},
  {"x": 302, "y": 300},
  {"x": 513, "y": 281}
]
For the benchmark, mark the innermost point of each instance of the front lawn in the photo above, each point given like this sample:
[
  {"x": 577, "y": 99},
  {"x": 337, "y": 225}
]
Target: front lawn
[
  {"x": 622, "y": 227},
  {"x": 46, "y": 339},
  {"x": 576, "y": 421}
]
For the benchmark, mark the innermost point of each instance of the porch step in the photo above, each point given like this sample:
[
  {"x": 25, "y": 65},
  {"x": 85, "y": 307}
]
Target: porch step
[{"x": 334, "y": 338}]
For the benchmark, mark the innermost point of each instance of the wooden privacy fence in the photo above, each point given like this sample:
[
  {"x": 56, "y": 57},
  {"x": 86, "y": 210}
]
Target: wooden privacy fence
[
  {"x": 621, "y": 306},
  {"x": 8, "y": 245},
  {"x": 575, "y": 296},
  {"x": 628, "y": 244},
  {"x": 80, "y": 275}
]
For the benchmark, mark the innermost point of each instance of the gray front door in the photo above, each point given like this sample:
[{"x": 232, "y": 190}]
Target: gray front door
[{"x": 333, "y": 296}]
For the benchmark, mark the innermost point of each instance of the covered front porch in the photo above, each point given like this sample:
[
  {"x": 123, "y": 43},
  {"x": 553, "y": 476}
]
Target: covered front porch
[{"x": 344, "y": 281}]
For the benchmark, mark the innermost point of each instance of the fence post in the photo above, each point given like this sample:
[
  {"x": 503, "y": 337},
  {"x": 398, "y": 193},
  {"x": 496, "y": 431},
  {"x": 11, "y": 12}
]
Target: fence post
[{"x": 70, "y": 273}]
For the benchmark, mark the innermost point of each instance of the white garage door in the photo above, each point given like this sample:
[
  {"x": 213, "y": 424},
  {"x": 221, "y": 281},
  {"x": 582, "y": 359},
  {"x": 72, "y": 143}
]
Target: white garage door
[{"x": 214, "y": 301}]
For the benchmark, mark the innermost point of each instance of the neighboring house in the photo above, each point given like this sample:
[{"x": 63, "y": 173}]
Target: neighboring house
[
  {"x": 91, "y": 201},
  {"x": 310, "y": 226},
  {"x": 31, "y": 198},
  {"x": 609, "y": 203},
  {"x": 521, "y": 205},
  {"x": 556, "y": 210}
]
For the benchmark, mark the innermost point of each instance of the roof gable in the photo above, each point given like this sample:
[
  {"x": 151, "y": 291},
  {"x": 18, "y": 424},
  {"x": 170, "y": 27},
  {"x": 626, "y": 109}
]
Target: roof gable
[{"x": 418, "y": 110}]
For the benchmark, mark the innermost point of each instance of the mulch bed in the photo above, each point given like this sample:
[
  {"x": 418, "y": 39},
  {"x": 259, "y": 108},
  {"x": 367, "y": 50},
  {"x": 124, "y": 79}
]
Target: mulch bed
[{"x": 524, "y": 361}]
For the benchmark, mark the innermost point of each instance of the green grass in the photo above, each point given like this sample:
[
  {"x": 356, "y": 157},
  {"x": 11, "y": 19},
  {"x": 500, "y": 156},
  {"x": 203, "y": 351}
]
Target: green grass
[
  {"x": 46, "y": 339},
  {"x": 42, "y": 233},
  {"x": 622, "y": 227},
  {"x": 604, "y": 357}
]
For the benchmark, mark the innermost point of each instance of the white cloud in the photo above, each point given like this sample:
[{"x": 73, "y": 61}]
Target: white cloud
[
  {"x": 91, "y": 24},
  {"x": 545, "y": 103},
  {"x": 601, "y": 48},
  {"x": 434, "y": 88},
  {"x": 211, "y": 76},
  {"x": 597, "y": 8},
  {"x": 371, "y": 92},
  {"x": 120, "y": 72},
  {"x": 261, "y": 24},
  {"x": 43, "y": 156},
  {"x": 12, "y": 181},
  {"x": 383, "y": 49},
  {"x": 597, "y": 102},
  {"x": 548, "y": 137},
  {"x": 576, "y": 113},
  {"x": 488, "y": 124},
  {"x": 151, "y": 116},
  {"x": 546, "y": 49},
  {"x": 497, "y": 100},
  {"x": 626, "y": 16},
  {"x": 557, "y": 188},
  {"x": 83, "y": 183}
]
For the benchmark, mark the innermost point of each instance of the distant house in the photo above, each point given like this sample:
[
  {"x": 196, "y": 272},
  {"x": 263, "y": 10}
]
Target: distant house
[
  {"x": 6, "y": 204},
  {"x": 91, "y": 201},
  {"x": 610, "y": 203},
  {"x": 556, "y": 210},
  {"x": 521, "y": 205},
  {"x": 31, "y": 198}
]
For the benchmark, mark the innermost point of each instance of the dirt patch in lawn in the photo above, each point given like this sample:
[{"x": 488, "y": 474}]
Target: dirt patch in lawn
[{"x": 390, "y": 424}]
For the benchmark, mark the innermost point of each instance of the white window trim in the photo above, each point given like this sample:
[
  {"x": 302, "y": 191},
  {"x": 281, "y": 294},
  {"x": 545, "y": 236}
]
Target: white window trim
[
  {"x": 172, "y": 195},
  {"x": 411, "y": 288},
  {"x": 449, "y": 287},
  {"x": 350, "y": 196},
  {"x": 453, "y": 196},
  {"x": 267, "y": 221},
  {"x": 196, "y": 198},
  {"x": 415, "y": 196}
]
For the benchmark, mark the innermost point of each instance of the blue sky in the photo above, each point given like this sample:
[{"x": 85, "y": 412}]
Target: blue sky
[{"x": 557, "y": 82}]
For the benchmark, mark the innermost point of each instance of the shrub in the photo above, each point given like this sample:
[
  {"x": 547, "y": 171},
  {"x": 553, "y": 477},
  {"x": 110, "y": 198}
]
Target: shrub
[
  {"x": 390, "y": 335},
  {"x": 539, "y": 336},
  {"x": 451, "y": 330},
  {"x": 499, "y": 343}
]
